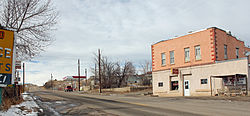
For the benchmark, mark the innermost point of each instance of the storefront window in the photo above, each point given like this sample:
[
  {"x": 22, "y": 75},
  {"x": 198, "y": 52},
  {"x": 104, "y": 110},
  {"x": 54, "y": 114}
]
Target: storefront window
[{"x": 174, "y": 85}]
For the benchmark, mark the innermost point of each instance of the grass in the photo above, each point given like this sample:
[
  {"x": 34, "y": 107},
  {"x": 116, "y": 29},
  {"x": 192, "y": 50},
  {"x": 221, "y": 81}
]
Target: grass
[{"x": 7, "y": 102}]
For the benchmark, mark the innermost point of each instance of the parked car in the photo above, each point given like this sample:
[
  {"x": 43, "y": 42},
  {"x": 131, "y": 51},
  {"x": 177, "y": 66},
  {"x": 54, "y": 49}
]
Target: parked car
[{"x": 68, "y": 89}]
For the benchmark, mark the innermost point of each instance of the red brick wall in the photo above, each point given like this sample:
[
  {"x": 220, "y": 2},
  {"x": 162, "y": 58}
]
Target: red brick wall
[
  {"x": 203, "y": 38},
  {"x": 222, "y": 38}
]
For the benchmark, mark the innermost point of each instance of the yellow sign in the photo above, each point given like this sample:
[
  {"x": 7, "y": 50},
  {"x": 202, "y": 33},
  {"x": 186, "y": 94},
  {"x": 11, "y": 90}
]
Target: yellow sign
[{"x": 6, "y": 51}]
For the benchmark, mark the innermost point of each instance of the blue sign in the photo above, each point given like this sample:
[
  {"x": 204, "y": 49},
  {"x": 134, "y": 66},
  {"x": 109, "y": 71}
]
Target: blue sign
[{"x": 5, "y": 78}]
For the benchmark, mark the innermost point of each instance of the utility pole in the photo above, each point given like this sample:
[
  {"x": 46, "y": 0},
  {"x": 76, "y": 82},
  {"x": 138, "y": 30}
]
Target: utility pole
[
  {"x": 95, "y": 75},
  {"x": 51, "y": 81},
  {"x": 79, "y": 73},
  {"x": 23, "y": 77},
  {"x": 86, "y": 76},
  {"x": 100, "y": 78}
]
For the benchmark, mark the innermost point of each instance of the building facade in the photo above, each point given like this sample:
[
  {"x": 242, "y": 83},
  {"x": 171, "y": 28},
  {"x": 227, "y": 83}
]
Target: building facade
[{"x": 199, "y": 64}]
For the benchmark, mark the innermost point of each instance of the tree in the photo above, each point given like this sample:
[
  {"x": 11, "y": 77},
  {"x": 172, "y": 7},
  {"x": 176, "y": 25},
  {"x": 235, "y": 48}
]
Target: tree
[
  {"x": 33, "y": 21},
  {"x": 114, "y": 74},
  {"x": 123, "y": 72},
  {"x": 146, "y": 67}
]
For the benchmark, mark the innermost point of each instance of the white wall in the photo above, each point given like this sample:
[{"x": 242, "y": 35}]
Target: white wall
[{"x": 232, "y": 67}]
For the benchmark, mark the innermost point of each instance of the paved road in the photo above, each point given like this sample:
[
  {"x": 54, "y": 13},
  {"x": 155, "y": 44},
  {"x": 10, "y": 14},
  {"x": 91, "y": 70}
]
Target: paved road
[{"x": 72, "y": 103}]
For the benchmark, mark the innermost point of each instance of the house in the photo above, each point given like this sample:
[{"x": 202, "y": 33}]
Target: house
[
  {"x": 204, "y": 63},
  {"x": 140, "y": 80}
]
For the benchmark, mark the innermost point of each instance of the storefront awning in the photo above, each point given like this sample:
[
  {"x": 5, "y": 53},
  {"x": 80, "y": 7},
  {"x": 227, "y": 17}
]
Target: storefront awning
[{"x": 223, "y": 76}]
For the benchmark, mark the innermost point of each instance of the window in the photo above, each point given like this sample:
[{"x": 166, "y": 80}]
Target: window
[
  {"x": 171, "y": 57},
  {"x": 197, "y": 52},
  {"x": 160, "y": 84},
  {"x": 237, "y": 53},
  {"x": 163, "y": 59},
  {"x": 174, "y": 85},
  {"x": 225, "y": 52},
  {"x": 203, "y": 81},
  {"x": 187, "y": 55}
]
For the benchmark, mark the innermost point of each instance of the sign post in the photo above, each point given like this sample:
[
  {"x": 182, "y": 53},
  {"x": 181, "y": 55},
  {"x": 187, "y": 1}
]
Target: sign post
[{"x": 6, "y": 57}]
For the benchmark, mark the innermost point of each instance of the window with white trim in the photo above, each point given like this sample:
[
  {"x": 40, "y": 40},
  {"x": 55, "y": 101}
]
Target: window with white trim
[
  {"x": 187, "y": 54},
  {"x": 171, "y": 57},
  {"x": 197, "y": 53},
  {"x": 237, "y": 53},
  {"x": 163, "y": 59},
  {"x": 203, "y": 81},
  {"x": 160, "y": 84},
  {"x": 225, "y": 52}
]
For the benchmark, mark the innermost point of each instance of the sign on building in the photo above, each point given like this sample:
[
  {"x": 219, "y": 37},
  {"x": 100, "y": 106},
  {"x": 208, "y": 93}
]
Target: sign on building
[
  {"x": 18, "y": 65},
  {"x": 6, "y": 56},
  {"x": 174, "y": 71}
]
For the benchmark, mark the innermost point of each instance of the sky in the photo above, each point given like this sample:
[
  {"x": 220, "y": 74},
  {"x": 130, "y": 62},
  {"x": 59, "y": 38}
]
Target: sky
[{"x": 124, "y": 30}]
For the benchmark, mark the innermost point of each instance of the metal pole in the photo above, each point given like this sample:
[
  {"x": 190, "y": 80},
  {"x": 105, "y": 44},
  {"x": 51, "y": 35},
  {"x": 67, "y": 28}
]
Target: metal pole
[
  {"x": 86, "y": 76},
  {"x": 95, "y": 75},
  {"x": 23, "y": 77},
  {"x": 79, "y": 74},
  {"x": 51, "y": 81},
  {"x": 211, "y": 86},
  {"x": 72, "y": 83},
  {"x": 100, "y": 78}
]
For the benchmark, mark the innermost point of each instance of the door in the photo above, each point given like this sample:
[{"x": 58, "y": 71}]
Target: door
[{"x": 186, "y": 88}]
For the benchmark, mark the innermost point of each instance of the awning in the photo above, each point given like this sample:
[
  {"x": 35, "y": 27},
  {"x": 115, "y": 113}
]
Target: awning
[{"x": 236, "y": 75}]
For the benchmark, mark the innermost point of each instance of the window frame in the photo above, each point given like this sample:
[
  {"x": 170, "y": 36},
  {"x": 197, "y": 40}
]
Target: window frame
[
  {"x": 225, "y": 52},
  {"x": 204, "y": 81},
  {"x": 197, "y": 56},
  {"x": 187, "y": 54},
  {"x": 171, "y": 86},
  {"x": 160, "y": 84},
  {"x": 171, "y": 57},
  {"x": 237, "y": 52},
  {"x": 163, "y": 59}
]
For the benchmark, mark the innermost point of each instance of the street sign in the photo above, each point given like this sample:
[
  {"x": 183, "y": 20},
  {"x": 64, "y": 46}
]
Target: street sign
[
  {"x": 18, "y": 65},
  {"x": 6, "y": 55},
  {"x": 78, "y": 76}
]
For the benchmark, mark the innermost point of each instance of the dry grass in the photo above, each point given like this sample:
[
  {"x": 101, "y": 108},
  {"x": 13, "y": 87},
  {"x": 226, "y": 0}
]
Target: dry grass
[{"x": 7, "y": 102}]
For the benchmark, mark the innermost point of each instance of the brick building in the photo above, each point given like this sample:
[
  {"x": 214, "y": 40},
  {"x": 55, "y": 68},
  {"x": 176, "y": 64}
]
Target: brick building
[{"x": 200, "y": 63}]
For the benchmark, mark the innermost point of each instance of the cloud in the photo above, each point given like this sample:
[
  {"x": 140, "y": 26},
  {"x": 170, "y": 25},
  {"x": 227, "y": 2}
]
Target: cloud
[{"x": 126, "y": 29}]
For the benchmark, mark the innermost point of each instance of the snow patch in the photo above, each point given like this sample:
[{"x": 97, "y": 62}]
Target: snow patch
[{"x": 27, "y": 108}]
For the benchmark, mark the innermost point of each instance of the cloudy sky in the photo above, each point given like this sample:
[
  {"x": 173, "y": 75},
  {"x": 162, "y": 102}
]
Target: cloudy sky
[{"x": 125, "y": 30}]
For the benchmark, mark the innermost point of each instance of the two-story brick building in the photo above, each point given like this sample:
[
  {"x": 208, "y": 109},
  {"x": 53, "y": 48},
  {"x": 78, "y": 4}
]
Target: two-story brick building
[{"x": 208, "y": 62}]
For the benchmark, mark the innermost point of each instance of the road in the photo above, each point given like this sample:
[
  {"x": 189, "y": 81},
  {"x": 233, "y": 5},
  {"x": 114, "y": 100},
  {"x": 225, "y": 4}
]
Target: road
[{"x": 73, "y": 103}]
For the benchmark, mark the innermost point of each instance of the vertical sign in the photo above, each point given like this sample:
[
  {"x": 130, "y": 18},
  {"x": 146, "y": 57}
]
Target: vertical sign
[{"x": 6, "y": 56}]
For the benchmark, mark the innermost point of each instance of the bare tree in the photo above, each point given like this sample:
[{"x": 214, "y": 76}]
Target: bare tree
[
  {"x": 146, "y": 66},
  {"x": 33, "y": 21},
  {"x": 114, "y": 74},
  {"x": 123, "y": 72}
]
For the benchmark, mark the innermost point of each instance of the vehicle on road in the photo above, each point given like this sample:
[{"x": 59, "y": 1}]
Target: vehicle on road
[{"x": 68, "y": 89}]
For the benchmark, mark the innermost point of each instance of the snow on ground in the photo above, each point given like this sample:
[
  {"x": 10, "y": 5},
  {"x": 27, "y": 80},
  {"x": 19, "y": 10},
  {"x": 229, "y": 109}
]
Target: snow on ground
[{"x": 27, "y": 108}]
